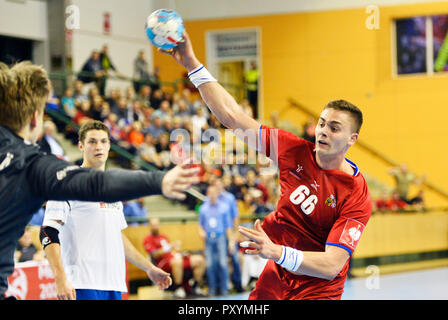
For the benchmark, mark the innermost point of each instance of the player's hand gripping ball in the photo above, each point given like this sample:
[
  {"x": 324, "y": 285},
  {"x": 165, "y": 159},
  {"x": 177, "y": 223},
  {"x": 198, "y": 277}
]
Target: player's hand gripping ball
[{"x": 164, "y": 28}]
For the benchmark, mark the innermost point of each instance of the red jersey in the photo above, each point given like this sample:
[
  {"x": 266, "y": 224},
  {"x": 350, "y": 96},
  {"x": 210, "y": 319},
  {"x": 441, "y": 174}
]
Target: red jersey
[
  {"x": 155, "y": 242},
  {"x": 317, "y": 207}
]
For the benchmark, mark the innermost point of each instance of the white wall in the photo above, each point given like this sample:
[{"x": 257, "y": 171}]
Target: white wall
[
  {"x": 208, "y": 9},
  {"x": 126, "y": 38},
  {"x": 24, "y": 20}
]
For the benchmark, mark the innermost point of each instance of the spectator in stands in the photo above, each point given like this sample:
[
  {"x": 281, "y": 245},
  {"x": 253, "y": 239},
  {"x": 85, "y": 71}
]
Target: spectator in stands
[
  {"x": 380, "y": 203},
  {"x": 404, "y": 179},
  {"x": 177, "y": 124},
  {"x": 136, "y": 137},
  {"x": 251, "y": 182},
  {"x": 141, "y": 71},
  {"x": 246, "y": 206},
  {"x": 395, "y": 203},
  {"x": 105, "y": 110},
  {"x": 262, "y": 207},
  {"x": 135, "y": 112},
  {"x": 164, "y": 110},
  {"x": 156, "y": 98},
  {"x": 92, "y": 70},
  {"x": 135, "y": 210},
  {"x": 26, "y": 250},
  {"x": 78, "y": 93},
  {"x": 154, "y": 79},
  {"x": 181, "y": 109},
  {"x": 113, "y": 98},
  {"x": 68, "y": 103},
  {"x": 215, "y": 228},
  {"x": 144, "y": 95},
  {"x": 49, "y": 143},
  {"x": 147, "y": 152},
  {"x": 114, "y": 128},
  {"x": 251, "y": 80},
  {"x": 234, "y": 255},
  {"x": 167, "y": 125},
  {"x": 83, "y": 113},
  {"x": 237, "y": 186},
  {"x": 108, "y": 67},
  {"x": 156, "y": 128},
  {"x": 96, "y": 109},
  {"x": 122, "y": 109},
  {"x": 182, "y": 266},
  {"x": 199, "y": 120},
  {"x": 164, "y": 150}
]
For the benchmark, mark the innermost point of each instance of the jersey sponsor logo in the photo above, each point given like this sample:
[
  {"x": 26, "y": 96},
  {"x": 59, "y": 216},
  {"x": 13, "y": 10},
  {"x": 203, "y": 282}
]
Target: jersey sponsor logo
[
  {"x": 115, "y": 205},
  {"x": 301, "y": 196},
  {"x": 315, "y": 185},
  {"x": 352, "y": 233},
  {"x": 7, "y": 161}
]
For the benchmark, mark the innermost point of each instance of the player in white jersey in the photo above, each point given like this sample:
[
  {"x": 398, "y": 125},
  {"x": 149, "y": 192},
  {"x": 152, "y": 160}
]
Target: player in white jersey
[{"x": 83, "y": 240}]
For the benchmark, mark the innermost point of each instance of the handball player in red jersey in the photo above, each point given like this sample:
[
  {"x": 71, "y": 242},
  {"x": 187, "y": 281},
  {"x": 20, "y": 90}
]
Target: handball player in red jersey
[{"x": 324, "y": 204}]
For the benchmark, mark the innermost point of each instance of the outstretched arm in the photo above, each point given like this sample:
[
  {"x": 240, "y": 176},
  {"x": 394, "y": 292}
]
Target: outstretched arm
[{"x": 220, "y": 102}]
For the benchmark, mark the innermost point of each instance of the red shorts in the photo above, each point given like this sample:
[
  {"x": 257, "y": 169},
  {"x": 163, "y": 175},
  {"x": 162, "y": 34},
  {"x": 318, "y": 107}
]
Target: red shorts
[{"x": 275, "y": 283}]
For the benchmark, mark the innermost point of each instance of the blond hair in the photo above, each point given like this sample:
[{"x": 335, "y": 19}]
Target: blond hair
[{"x": 24, "y": 89}]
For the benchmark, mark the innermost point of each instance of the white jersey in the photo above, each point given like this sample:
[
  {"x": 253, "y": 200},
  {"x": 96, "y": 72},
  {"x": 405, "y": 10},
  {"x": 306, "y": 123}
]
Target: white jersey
[{"x": 91, "y": 243}]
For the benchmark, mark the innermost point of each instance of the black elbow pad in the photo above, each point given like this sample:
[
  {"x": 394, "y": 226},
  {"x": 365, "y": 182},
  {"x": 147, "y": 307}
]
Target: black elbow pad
[{"x": 48, "y": 235}]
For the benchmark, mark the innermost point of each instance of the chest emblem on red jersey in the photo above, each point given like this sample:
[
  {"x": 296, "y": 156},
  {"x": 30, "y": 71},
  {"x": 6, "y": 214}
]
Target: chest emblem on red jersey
[
  {"x": 299, "y": 168},
  {"x": 331, "y": 201}
]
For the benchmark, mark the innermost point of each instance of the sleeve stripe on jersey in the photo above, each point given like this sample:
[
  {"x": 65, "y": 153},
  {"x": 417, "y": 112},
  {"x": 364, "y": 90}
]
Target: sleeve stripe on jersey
[
  {"x": 340, "y": 246},
  {"x": 260, "y": 140}
]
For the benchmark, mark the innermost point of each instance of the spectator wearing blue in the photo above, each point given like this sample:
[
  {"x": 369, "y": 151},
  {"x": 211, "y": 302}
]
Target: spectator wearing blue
[
  {"x": 135, "y": 210},
  {"x": 215, "y": 227},
  {"x": 230, "y": 199}
]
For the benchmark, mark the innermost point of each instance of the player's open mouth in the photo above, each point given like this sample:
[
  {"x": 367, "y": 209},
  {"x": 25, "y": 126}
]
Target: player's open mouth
[{"x": 322, "y": 143}]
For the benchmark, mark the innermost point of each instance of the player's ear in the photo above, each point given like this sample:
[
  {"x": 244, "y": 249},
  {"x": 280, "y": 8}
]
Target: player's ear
[
  {"x": 80, "y": 146},
  {"x": 353, "y": 138}
]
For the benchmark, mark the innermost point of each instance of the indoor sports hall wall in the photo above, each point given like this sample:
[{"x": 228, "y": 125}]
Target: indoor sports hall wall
[
  {"x": 319, "y": 56},
  {"x": 126, "y": 37}
]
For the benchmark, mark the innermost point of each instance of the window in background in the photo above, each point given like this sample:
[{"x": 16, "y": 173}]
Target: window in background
[
  {"x": 411, "y": 45},
  {"x": 440, "y": 42}
]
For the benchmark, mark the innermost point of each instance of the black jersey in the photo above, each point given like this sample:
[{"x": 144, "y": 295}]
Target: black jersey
[{"x": 30, "y": 177}]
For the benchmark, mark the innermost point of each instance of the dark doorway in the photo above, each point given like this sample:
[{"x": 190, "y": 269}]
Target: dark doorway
[{"x": 14, "y": 50}]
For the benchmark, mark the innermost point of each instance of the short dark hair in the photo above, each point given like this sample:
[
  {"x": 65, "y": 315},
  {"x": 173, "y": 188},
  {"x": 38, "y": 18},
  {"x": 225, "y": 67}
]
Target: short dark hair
[
  {"x": 92, "y": 125},
  {"x": 346, "y": 106}
]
